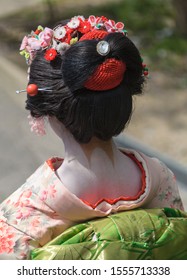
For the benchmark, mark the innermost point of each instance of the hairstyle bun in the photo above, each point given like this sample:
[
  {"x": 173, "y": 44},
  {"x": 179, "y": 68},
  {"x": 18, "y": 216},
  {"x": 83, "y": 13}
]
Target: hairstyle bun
[{"x": 91, "y": 89}]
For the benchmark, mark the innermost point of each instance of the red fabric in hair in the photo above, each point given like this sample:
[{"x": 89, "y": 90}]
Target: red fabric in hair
[
  {"x": 95, "y": 34},
  {"x": 108, "y": 75}
]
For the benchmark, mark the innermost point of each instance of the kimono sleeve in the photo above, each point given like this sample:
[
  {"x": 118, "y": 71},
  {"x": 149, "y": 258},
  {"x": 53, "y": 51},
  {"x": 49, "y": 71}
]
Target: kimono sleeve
[{"x": 166, "y": 193}]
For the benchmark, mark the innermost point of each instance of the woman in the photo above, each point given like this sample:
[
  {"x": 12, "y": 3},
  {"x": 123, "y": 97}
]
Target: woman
[{"x": 83, "y": 75}]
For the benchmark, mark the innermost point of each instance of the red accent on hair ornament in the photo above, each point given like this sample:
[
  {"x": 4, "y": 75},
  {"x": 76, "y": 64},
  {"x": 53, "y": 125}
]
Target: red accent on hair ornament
[
  {"x": 145, "y": 70},
  {"x": 53, "y": 41},
  {"x": 107, "y": 76},
  {"x": 50, "y": 54},
  {"x": 32, "y": 90},
  {"x": 95, "y": 34}
]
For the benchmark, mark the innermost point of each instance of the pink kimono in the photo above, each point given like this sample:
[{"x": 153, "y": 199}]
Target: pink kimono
[{"x": 43, "y": 207}]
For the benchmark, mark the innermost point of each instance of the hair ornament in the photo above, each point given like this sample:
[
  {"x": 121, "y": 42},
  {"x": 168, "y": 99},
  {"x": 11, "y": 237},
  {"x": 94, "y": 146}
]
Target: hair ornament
[
  {"x": 145, "y": 70},
  {"x": 37, "y": 125},
  {"x": 32, "y": 90},
  {"x": 107, "y": 76},
  {"x": 56, "y": 41},
  {"x": 103, "y": 48}
]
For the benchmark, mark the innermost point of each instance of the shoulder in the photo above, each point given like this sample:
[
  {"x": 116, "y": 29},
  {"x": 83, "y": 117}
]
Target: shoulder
[
  {"x": 38, "y": 180},
  {"x": 26, "y": 216},
  {"x": 153, "y": 167},
  {"x": 162, "y": 185}
]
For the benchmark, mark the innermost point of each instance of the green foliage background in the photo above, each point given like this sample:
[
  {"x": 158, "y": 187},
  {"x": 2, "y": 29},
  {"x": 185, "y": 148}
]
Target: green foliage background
[{"x": 150, "y": 23}]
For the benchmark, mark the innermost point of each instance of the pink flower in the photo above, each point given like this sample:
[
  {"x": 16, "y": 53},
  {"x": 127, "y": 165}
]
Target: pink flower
[
  {"x": 24, "y": 199},
  {"x": 6, "y": 238},
  {"x": 94, "y": 20},
  {"x": 111, "y": 26},
  {"x": 24, "y": 43},
  {"x": 30, "y": 45},
  {"x": 22, "y": 203},
  {"x": 44, "y": 195},
  {"x": 27, "y": 194},
  {"x": 34, "y": 223},
  {"x": 33, "y": 44},
  {"x": 37, "y": 125},
  {"x": 23, "y": 213},
  {"x": 52, "y": 191},
  {"x": 45, "y": 37}
]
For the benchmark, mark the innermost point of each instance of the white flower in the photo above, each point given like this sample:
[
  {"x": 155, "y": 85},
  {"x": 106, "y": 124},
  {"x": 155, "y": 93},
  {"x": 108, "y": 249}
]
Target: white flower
[
  {"x": 60, "y": 32},
  {"x": 74, "y": 23},
  {"x": 62, "y": 47}
]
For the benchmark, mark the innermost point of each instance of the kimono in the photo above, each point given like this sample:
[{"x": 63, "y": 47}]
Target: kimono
[{"x": 43, "y": 209}]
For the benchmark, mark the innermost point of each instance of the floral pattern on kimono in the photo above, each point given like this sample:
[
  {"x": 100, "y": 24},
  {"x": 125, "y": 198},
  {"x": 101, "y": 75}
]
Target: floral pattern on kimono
[{"x": 43, "y": 207}]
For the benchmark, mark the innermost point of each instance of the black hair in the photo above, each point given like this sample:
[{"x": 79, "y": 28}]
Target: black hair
[{"x": 86, "y": 113}]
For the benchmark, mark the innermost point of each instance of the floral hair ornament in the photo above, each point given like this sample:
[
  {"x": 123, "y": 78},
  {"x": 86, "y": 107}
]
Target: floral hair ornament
[
  {"x": 56, "y": 41},
  {"x": 145, "y": 70},
  {"x": 32, "y": 90},
  {"x": 37, "y": 125}
]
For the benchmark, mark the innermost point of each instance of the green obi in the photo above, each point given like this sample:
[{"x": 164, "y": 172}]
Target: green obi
[{"x": 141, "y": 234}]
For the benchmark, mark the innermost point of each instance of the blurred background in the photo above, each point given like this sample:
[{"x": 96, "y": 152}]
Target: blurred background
[{"x": 157, "y": 27}]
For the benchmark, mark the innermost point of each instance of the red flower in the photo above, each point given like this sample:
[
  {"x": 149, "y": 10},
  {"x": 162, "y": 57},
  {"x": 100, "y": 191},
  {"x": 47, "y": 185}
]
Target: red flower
[
  {"x": 69, "y": 30},
  {"x": 67, "y": 39},
  {"x": 84, "y": 26},
  {"x": 38, "y": 31},
  {"x": 50, "y": 54}
]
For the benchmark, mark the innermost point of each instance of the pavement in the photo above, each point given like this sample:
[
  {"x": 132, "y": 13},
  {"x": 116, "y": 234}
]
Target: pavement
[{"x": 21, "y": 152}]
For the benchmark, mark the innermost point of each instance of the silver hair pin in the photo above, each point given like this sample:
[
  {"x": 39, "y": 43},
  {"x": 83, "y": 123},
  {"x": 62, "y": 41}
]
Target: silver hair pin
[
  {"x": 32, "y": 90},
  {"x": 103, "y": 48},
  {"x": 40, "y": 89}
]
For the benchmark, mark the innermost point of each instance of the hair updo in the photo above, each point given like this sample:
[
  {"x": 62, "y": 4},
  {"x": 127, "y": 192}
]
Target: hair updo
[{"x": 86, "y": 113}]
